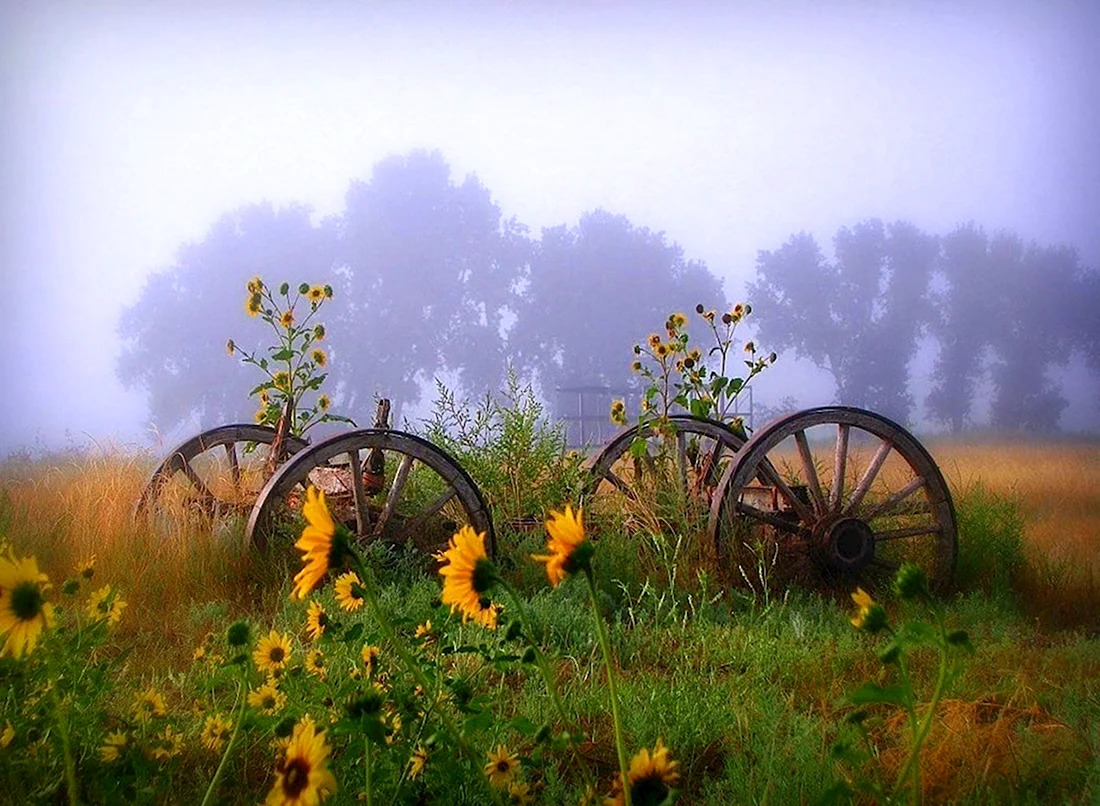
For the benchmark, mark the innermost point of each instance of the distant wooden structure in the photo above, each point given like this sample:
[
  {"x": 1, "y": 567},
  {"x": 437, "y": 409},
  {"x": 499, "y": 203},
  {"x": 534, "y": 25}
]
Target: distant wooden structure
[{"x": 585, "y": 409}]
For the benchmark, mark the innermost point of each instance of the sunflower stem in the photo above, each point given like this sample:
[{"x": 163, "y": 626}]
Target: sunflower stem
[
  {"x": 613, "y": 694},
  {"x": 544, "y": 670},
  {"x": 63, "y": 732},
  {"x": 238, "y": 706},
  {"x": 367, "y": 766},
  {"x": 371, "y": 595}
]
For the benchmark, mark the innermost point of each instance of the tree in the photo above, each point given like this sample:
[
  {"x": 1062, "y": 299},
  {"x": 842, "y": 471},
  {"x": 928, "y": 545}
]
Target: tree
[
  {"x": 595, "y": 290},
  {"x": 429, "y": 271},
  {"x": 962, "y": 313},
  {"x": 175, "y": 333},
  {"x": 859, "y": 316}
]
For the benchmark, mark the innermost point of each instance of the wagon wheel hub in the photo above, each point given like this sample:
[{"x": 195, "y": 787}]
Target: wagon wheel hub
[{"x": 844, "y": 544}]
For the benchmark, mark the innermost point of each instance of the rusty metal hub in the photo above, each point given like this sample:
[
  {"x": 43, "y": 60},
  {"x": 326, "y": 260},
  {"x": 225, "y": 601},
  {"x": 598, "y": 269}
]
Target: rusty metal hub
[{"x": 845, "y": 544}]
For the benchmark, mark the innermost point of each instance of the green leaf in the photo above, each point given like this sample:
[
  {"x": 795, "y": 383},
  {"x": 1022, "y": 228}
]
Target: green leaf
[
  {"x": 284, "y": 354},
  {"x": 352, "y": 633},
  {"x": 638, "y": 448},
  {"x": 873, "y": 693},
  {"x": 522, "y": 724},
  {"x": 917, "y": 633}
]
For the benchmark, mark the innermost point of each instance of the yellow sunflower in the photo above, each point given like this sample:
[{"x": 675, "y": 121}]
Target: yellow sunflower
[
  {"x": 24, "y": 611},
  {"x": 267, "y": 699},
  {"x": 302, "y": 777},
  {"x": 519, "y": 794},
  {"x": 149, "y": 703},
  {"x": 7, "y": 736},
  {"x": 316, "y": 620},
  {"x": 417, "y": 761},
  {"x": 315, "y": 664},
  {"x": 254, "y": 304},
  {"x": 86, "y": 567},
  {"x": 323, "y": 403},
  {"x": 618, "y": 412},
  {"x": 678, "y": 320},
  {"x": 370, "y": 658},
  {"x": 216, "y": 732},
  {"x": 424, "y": 630},
  {"x": 281, "y": 379},
  {"x": 467, "y": 577},
  {"x": 319, "y": 358},
  {"x": 318, "y": 332},
  {"x": 349, "y": 593},
  {"x": 287, "y": 319},
  {"x": 320, "y": 544},
  {"x": 316, "y": 293},
  {"x": 168, "y": 744},
  {"x": 103, "y": 605},
  {"x": 272, "y": 652},
  {"x": 502, "y": 766},
  {"x": 112, "y": 746},
  {"x": 569, "y": 550},
  {"x": 870, "y": 617},
  {"x": 651, "y": 778}
]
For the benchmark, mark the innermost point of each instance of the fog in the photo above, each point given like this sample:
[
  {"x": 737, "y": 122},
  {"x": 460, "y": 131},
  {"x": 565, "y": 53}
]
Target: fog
[{"x": 128, "y": 128}]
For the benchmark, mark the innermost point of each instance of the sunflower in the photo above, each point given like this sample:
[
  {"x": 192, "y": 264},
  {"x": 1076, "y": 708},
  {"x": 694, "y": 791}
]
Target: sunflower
[
  {"x": 255, "y": 285},
  {"x": 319, "y": 358},
  {"x": 272, "y": 652},
  {"x": 168, "y": 744},
  {"x": 650, "y": 778},
  {"x": 281, "y": 379},
  {"x": 519, "y": 794},
  {"x": 316, "y": 293},
  {"x": 424, "y": 630},
  {"x": 322, "y": 544},
  {"x": 871, "y": 617},
  {"x": 370, "y": 658},
  {"x": 653, "y": 340},
  {"x": 230, "y": 347},
  {"x": 103, "y": 605},
  {"x": 112, "y": 746},
  {"x": 417, "y": 761},
  {"x": 254, "y": 304},
  {"x": 7, "y": 736},
  {"x": 502, "y": 766},
  {"x": 287, "y": 319},
  {"x": 216, "y": 732},
  {"x": 618, "y": 411},
  {"x": 349, "y": 591},
  {"x": 318, "y": 332},
  {"x": 149, "y": 703},
  {"x": 467, "y": 576},
  {"x": 86, "y": 567},
  {"x": 316, "y": 620},
  {"x": 302, "y": 777},
  {"x": 24, "y": 611},
  {"x": 267, "y": 699},
  {"x": 323, "y": 403},
  {"x": 315, "y": 664},
  {"x": 678, "y": 320},
  {"x": 569, "y": 550}
]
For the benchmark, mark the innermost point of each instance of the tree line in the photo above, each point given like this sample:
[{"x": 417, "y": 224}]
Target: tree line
[{"x": 431, "y": 278}]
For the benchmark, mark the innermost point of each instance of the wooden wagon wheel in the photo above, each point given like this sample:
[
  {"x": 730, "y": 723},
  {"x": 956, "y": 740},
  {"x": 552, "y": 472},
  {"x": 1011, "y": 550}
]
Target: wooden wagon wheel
[
  {"x": 216, "y": 472},
  {"x": 382, "y": 484},
  {"x": 841, "y": 493},
  {"x": 677, "y": 475}
]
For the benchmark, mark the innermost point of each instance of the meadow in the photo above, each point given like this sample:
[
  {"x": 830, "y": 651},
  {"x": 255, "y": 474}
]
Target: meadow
[{"x": 747, "y": 686}]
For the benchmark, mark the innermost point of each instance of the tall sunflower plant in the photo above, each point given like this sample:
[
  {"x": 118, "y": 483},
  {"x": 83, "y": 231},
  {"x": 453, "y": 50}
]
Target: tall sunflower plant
[
  {"x": 680, "y": 376},
  {"x": 294, "y": 366}
]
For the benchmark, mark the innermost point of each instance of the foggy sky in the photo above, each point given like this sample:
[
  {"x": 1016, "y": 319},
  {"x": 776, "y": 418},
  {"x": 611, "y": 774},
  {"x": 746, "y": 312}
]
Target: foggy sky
[{"x": 127, "y": 128}]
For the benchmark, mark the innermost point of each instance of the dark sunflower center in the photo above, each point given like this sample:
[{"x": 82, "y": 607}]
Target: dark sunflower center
[
  {"x": 26, "y": 601},
  {"x": 296, "y": 777},
  {"x": 484, "y": 575},
  {"x": 269, "y": 702},
  {"x": 322, "y": 620},
  {"x": 503, "y": 766},
  {"x": 649, "y": 791},
  {"x": 276, "y": 655}
]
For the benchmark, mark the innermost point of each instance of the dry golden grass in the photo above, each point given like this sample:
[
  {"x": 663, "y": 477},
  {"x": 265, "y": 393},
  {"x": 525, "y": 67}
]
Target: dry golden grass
[{"x": 177, "y": 577}]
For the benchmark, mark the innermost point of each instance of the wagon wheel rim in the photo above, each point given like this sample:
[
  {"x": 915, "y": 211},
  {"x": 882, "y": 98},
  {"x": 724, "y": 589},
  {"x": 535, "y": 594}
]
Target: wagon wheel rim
[
  {"x": 421, "y": 496},
  {"x": 840, "y": 494},
  {"x": 688, "y": 461},
  {"x": 214, "y": 473}
]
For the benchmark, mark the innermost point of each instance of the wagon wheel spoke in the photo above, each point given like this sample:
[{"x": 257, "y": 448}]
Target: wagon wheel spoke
[
  {"x": 208, "y": 500},
  {"x": 394, "y": 494},
  {"x": 359, "y": 493},
  {"x": 840, "y": 462},
  {"x": 805, "y": 514},
  {"x": 620, "y": 485},
  {"x": 771, "y": 519},
  {"x": 234, "y": 467},
  {"x": 810, "y": 471},
  {"x": 911, "y": 531},
  {"x": 417, "y": 522},
  {"x": 869, "y": 477},
  {"x": 888, "y": 505}
]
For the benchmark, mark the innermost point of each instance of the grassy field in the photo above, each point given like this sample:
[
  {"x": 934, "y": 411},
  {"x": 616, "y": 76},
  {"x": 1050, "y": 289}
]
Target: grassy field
[{"x": 746, "y": 687}]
